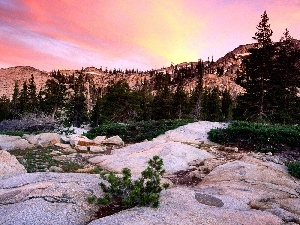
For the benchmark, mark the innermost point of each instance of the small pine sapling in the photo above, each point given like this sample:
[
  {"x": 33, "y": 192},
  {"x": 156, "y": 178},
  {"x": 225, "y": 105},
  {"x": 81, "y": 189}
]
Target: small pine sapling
[{"x": 144, "y": 191}]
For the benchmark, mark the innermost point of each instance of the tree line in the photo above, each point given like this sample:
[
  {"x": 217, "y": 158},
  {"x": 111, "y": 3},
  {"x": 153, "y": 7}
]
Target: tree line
[{"x": 76, "y": 98}]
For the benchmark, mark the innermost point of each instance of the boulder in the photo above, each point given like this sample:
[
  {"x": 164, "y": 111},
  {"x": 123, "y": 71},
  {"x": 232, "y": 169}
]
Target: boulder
[
  {"x": 81, "y": 148},
  {"x": 194, "y": 133},
  {"x": 48, "y": 198},
  {"x": 176, "y": 156},
  {"x": 13, "y": 142},
  {"x": 115, "y": 140},
  {"x": 99, "y": 139},
  {"x": 9, "y": 165},
  {"x": 55, "y": 169},
  {"x": 64, "y": 139},
  {"x": 43, "y": 139},
  {"x": 78, "y": 140},
  {"x": 97, "y": 149},
  {"x": 65, "y": 148}
]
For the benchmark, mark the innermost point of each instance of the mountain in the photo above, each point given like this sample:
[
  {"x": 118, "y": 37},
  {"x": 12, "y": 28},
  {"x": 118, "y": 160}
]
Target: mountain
[
  {"x": 20, "y": 74},
  {"x": 221, "y": 74}
]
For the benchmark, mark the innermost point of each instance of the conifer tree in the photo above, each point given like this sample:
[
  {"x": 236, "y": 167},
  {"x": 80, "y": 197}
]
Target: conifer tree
[
  {"x": 23, "y": 99},
  {"x": 54, "y": 97},
  {"x": 211, "y": 104},
  {"x": 285, "y": 79},
  {"x": 15, "y": 103},
  {"x": 4, "y": 107},
  {"x": 77, "y": 109},
  {"x": 226, "y": 105},
  {"x": 32, "y": 96},
  {"x": 196, "y": 97},
  {"x": 256, "y": 76}
]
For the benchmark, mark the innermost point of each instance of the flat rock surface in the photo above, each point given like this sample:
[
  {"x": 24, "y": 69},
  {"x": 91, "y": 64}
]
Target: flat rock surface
[
  {"x": 192, "y": 133},
  {"x": 263, "y": 186},
  {"x": 47, "y": 198},
  {"x": 176, "y": 156},
  {"x": 180, "y": 206},
  {"x": 9, "y": 165}
]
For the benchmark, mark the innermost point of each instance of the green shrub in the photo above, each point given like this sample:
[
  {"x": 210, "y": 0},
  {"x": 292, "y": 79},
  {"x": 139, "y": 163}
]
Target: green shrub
[
  {"x": 138, "y": 131},
  {"x": 144, "y": 191},
  {"x": 257, "y": 136},
  {"x": 294, "y": 168}
]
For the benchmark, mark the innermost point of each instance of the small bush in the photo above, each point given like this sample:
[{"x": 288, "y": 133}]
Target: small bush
[
  {"x": 138, "y": 131},
  {"x": 144, "y": 191},
  {"x": 294, "y": 168},
  {"x": 257, "y": 136}
]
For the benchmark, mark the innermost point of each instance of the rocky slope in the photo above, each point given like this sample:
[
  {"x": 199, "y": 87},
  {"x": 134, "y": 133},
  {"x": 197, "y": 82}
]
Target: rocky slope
[{"x": 235, "y": 187}]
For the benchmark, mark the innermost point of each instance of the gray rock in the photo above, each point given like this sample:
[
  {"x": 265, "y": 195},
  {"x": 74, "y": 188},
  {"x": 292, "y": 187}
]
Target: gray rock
[
  {"x": 81, "y": 148},
  {"x": 176, "y": 156},
  {"x": 48, "y": 198},
  {"x": 115, "y": 140},
  {"x": 9, "y": 165},
  {"x": 13, "y": 142},
  {"x": 99, "y": 139},
  {"x": 64, "y": 139},
  {"x": 97, "y": 149},
  {"x": 43, "y": 139},
  {"x": 55, "y": 169},
  {"x": 79, "y": 140},
  {"x": 180, "y": 206},
  {"x": 194, "y": 133}
]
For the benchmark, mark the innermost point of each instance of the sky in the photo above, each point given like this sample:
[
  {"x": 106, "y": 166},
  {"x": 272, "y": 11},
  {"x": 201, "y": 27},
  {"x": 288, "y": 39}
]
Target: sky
[{"x": 139, "y": 34}]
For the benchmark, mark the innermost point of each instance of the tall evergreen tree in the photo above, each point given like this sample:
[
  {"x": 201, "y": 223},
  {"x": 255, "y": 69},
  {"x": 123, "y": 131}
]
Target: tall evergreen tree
[
  {"x": 284, "y": 82},
  {"x": 77, "y": 109},
  {"x": 15, "y": 103},
  {"x": 226, "y": 105},
  {"x": 197, "y": 94},
  {"x": 54, "y": 96},
  {"x": 211, "y": 104},
  {"x": 163, "y": 99},
  {"x": 256, "y": 77},
  {"x": 4, "y": 108},
  {"x": 23, "y": 99},
  {"x": 32, "y": 95}
]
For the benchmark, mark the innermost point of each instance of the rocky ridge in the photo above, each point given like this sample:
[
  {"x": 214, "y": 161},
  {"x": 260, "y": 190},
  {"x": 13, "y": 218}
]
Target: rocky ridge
[{"x": 235, "y": 187}]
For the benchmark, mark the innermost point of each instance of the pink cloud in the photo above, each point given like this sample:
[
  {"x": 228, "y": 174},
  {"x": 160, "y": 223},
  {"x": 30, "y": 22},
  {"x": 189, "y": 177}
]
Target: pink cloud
[{"x": 145, "y": 34}]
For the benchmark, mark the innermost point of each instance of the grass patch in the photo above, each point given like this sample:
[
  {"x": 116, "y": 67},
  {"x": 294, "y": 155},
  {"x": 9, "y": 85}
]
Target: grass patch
[
  {"x": 257, "y": 136},
  {"x": 294, "y": 168},
  {"x": 40, "y": 160},
  {"x": 138, "y": 131}
]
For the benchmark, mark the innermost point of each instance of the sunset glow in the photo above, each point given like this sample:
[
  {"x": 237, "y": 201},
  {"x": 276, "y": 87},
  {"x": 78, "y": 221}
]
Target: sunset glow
[{"x": 143, "y": 34}]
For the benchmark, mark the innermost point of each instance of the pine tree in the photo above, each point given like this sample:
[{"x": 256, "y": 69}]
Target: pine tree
[
  {"x": 15, "y": 103},
  {"x": 284, "y": 82},
  {"x": 256, "y": 76},
  {"x": 226, "y": 105},
  {"x": 163, "y": 99},
  {"x": 23, "y": 99},
  {"x": 32, "y": 97},
  {"x": 197, "y": 94},
  {"x": 4, "y": 108},
  {"x": 54, "y": 96},
  {"x": 180, "y": 102},
  {"x": 77, "y": 109},
  {"x": 211, "y": 105}
]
